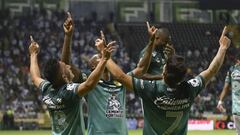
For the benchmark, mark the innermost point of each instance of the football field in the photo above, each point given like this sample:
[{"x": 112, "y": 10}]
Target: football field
[{"x": 131, "y": 132}]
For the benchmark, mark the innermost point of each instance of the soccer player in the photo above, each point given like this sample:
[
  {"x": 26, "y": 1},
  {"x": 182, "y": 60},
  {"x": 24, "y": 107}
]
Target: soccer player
[
  {"x": 68, "y": 27},
  {"x": 167, "y": 102},
  {"x": 232, "y": 82},
  {"x": 162, "y": 51},
  {"x": 106, "y": 103},
  {"x": 61, "y": 96}
]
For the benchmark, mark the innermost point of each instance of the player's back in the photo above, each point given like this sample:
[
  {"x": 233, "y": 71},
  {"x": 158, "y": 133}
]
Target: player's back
[
  {"x": 65, "y": 109},
  {"x": 166, "y": 110}
]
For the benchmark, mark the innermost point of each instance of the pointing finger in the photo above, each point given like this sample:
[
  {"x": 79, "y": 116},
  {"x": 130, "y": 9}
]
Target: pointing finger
[
  {"x": 69, "y": 15},
  {"x": 103, "y": 37},
  {"x": 148, "y": 26},
  {"x": 31, "y": 38},
  {"x": 225, "y": 31}
]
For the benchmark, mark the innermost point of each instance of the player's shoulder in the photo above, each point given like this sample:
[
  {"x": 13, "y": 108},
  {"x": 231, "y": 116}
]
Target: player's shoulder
[
  {"x": 44, "y": 85},
  {"x": 196, "y": 81}
]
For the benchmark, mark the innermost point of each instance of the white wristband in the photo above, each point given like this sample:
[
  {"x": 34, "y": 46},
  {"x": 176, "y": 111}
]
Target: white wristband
[{"x": 220, "y": 102}]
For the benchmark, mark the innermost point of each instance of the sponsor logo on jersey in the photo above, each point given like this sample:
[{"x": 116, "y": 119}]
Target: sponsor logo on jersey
[
  {"x": 114, "y": 109},
  {"x": 52, "y": 105},
  {"x": 167, "y": 103}
]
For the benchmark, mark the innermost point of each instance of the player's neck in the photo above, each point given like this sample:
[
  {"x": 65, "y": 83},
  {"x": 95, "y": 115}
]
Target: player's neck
[{"x": 106, "y": 76}]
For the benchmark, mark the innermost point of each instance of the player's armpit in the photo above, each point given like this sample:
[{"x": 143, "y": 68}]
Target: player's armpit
[{"x": 37, "y": 81}]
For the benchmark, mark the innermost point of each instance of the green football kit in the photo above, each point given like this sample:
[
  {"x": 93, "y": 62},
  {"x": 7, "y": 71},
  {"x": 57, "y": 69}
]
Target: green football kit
[
  {"x": 166, "y": 110},
  {"x": 233, "y": 78},
  {"x": 157, "y": 61},
  {"x": 106, "y": 109},
  {"x": 65, "y": 108}
]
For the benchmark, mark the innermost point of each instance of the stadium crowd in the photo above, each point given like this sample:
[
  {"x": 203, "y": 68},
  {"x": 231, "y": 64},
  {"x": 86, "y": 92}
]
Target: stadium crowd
[{"x": 17, "y": 90}]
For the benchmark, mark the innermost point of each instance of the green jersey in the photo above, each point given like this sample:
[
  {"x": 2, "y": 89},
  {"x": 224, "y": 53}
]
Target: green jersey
[
  {"x": 64, "y": 106},
  {"x": 233, "y": 78},
  {"x": 166, "y": 110},
  {"x": 157, "y": 61},
  {"x": 106, "y": 109}
]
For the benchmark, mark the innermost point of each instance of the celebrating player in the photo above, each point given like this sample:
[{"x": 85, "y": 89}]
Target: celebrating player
[
  {"x": 60, "y": 94},
  {"x": 232, "y": 81},
  {"x": 106, "y": 103},
  {"x": 161, "y": 53},
  {"x": 167, "y": 102}
]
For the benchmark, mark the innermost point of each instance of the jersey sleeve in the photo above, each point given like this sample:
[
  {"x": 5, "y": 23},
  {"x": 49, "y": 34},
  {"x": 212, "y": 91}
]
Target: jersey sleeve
[
  {"x": 196, "y": 84},
  {"x": 142, "y": 87},
  {"x": 70, "y": 94},
  {"x": 44, "y": 86},
  {"x": 228, "y": 76}
]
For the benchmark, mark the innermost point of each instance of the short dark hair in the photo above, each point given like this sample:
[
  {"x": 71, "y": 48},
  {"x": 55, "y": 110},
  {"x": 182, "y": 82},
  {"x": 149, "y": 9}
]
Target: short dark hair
[
  {"x": 163, "y": 31},
  {"x": 51, "y": 70},
  {"x": 175, "y": 70}
]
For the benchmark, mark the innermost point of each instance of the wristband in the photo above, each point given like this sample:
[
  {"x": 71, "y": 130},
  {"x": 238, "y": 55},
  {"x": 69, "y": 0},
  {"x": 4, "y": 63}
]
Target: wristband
[{"x": 220, "y": 102}]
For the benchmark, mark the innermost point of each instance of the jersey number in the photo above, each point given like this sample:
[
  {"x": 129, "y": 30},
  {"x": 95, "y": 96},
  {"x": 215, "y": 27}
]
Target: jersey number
[{"x": 178, "y": 116}]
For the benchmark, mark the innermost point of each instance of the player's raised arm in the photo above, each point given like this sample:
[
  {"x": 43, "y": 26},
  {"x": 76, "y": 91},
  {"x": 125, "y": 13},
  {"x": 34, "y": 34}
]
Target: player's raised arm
[
  {"x": 226, "y": 89},
  {"x": 119, "y": 75},
  {"x": 145, "y": 61},
  {"x": 68, "y": 31},
  {"x": 94, "y": 77},
  {"x": 218, "y": 59},
  {"x": 115, "y": 70},
  {"x": 34, "y": 68},
  {"x": 68, "y": 27},
  {"x": 163, "y": 41}
]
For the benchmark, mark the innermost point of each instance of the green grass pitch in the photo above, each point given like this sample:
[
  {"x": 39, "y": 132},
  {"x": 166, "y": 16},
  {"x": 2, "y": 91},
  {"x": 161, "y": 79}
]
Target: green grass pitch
[{"x": 132, "y": 132}]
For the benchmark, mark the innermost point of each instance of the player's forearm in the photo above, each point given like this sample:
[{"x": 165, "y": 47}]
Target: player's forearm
[
  {"x": 34, "y": 68},
  {"x": 119, "y": 75},
  {"x": 217, "y": 61},
  {"x": 115, "y": 70},
  {"x": 224, "y": 92},
  {"x": 215, "y": 64},
  {"x": 144, "y": 63},
  {"x": 66, "y": 50}
]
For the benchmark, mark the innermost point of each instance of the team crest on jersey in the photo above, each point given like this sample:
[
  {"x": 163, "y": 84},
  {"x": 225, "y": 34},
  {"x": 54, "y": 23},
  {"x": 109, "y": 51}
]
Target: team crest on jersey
[
  {"x": 235, "y": 75},
  {"x": 194, "y": 82},
  {"x": 114, "y": 109}
]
